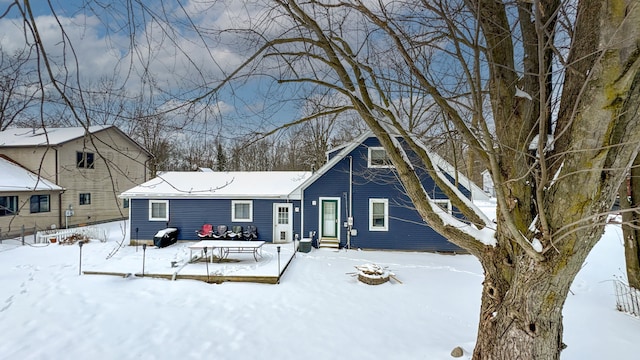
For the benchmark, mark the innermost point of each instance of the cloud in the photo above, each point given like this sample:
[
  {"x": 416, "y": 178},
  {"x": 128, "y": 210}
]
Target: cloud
[
  {"x": 180, "y": 52},
  {"x": 171, "y": 54}
]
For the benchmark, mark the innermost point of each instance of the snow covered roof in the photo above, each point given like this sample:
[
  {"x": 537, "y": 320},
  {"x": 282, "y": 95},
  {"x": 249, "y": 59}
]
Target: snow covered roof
[
  {"x": 16, "y": 178},
  {"x": 236, "y": 185},
  {"x": 344, "y": 150},
  {"x": 477, "y": 194},
  {"x": 40, "y": 137}
]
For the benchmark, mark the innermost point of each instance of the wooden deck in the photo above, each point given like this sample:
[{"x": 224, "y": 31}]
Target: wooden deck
[{"x": 211, "y": 279}]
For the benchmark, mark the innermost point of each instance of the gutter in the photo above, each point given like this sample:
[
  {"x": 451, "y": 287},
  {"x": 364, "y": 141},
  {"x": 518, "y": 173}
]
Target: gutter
[{"x": 350, "y": 214}]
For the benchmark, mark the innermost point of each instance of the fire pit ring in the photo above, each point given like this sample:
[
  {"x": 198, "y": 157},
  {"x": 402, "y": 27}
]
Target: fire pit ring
[{"x": 372, "y": 274}]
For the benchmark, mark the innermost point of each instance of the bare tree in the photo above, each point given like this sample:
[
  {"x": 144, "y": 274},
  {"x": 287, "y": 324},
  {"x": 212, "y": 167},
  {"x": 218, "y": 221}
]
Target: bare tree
[
  {"x": 152, "y": 132},
  {"x": 544, "y": 93},
  {"x": 315, "y": 136},
  {"x": 18, "y": 89},
  {"x": 561, "y": 79}
]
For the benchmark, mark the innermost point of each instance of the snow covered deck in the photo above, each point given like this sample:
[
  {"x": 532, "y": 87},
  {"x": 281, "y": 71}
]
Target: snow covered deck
[{"x": 176, "y": 262}]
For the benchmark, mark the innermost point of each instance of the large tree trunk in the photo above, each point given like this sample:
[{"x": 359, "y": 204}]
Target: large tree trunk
[
  {"x": 552, "y": 198},
  {"x": 522, "y": 301},
  {"x": 512, "y": 325},
  {"x": 630, "y": 199}
]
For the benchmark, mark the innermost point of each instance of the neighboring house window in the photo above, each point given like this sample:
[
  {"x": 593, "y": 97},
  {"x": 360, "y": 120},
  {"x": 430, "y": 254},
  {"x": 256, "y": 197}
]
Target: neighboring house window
[
  {"x": 85, "y": 199},
  {"x": 125, "y": 203},
  {"x": 8, "y": 205},
  {"x": 241, "y": 211},
  {"x": 85, "y": 160},
  {"x": 378, "y": 214},
  {"x": 445, "y": 204},
  {"x": 158, "y": 210},
  {"x": 39, "y": 203},
  {"x": 378, "y": 158}
]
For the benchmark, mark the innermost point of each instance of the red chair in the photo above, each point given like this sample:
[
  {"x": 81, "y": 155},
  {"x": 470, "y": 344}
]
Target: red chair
[{"x": 206, "y": 231}]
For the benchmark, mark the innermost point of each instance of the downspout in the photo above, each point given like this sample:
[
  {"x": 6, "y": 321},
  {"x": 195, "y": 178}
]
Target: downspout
[
  {"x": 59, "y": 192},
  {"x": 293, "y": 222},
  {"x": 350, "y": 214}
]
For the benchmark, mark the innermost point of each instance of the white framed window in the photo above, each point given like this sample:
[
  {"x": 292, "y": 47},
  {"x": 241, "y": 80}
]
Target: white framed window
[
  {"x": 444, "y": 204},
  {"x": 158, "y": 210},
  {"x": 241, "y": 211},
  {"x": 378, "y": 215},
  {"x": 378, "y": 158}
]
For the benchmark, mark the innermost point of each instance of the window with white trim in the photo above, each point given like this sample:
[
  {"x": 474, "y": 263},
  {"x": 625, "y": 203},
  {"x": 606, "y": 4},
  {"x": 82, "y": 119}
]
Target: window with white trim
[
  {"x": 444, "y": 204},
  {"x": 378, "y": 215},
  {"x": 241, "y": 210},
  {"x": 158, "y": 210},
  {"x": 378, "y": 158}
]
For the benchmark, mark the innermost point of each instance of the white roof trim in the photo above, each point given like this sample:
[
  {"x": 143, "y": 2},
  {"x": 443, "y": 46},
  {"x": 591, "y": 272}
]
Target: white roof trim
[
  {"x": 346, "y": 149},
  {"x": 476, "y": 192}
]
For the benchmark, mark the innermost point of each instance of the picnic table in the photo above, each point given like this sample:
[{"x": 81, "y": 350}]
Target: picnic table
[{"x": 225, "y": 247}]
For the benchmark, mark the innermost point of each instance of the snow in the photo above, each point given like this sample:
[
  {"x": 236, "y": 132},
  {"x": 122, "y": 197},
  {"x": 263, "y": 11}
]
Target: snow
[
  {"x": 523, "y": 94},
  {"x": 533, "y": 145},
  {"x": 239, "y": 185},
  {"x": 318, "y": 310},
  {"x": 16, "y": 178},
  {"x": 163, "y": 232},
  {"x": 37, "y": 136},
  {"x": 537, "y": 245},
  {"x": 485, "y": 235}
]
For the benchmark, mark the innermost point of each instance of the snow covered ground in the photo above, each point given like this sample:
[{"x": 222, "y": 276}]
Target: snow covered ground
[{"x": 318, "y": 311}]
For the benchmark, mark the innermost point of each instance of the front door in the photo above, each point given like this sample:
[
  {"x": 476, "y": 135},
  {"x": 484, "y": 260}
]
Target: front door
[
  {"x": 282, "y": 223},
  {"x": 329, "y": 218}
]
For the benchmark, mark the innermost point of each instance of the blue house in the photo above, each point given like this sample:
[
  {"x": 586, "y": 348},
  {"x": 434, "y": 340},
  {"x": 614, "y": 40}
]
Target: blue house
[
  {"x": 355, "y": 200},
  {"x": 187, "y": 200}
]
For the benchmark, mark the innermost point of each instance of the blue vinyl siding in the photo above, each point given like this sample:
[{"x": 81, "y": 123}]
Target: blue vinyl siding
[
  {"x": 188, "y": 215},
  {"x": 406, "y": 230}
]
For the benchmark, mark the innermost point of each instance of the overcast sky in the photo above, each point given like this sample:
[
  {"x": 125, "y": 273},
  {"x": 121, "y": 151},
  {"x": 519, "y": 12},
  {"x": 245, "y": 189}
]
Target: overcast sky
[{"x": 181, "y": 62}]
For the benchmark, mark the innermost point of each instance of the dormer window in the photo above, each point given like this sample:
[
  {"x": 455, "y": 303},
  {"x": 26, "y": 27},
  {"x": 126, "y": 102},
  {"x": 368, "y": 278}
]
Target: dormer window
[{"x": 378, "y": 158}]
